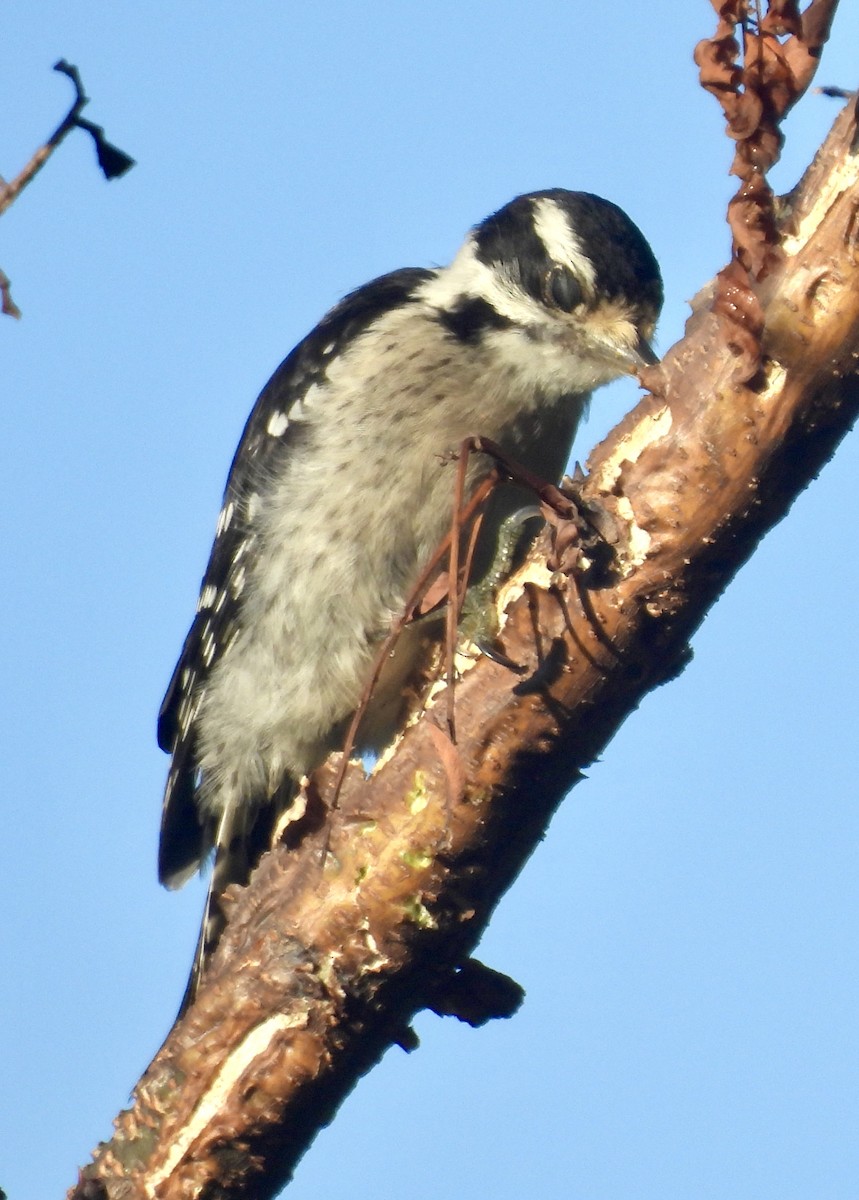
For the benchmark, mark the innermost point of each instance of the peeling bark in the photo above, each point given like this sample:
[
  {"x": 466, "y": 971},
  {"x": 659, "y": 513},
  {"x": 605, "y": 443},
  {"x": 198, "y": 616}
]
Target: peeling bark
[{"x": 326, "y": 958}]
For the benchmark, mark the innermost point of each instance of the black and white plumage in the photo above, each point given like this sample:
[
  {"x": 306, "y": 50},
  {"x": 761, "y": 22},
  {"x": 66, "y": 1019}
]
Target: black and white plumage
[{"x": 341, "y": 489}]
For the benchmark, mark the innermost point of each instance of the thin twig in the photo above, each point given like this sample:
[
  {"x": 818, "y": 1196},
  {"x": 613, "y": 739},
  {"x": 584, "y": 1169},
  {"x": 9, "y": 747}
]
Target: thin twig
[
  {"x": 113, "y": 161},
  {"x": 7, "y": 305},
  {"x": 387, "y": 645},
  {"x": 452, "y": 614}
]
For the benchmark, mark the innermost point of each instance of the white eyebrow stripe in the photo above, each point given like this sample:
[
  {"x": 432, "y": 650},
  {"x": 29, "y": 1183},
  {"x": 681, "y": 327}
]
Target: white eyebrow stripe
[
  {"x": 562, "y": 245},
  {"x": 468, "y": 277}
]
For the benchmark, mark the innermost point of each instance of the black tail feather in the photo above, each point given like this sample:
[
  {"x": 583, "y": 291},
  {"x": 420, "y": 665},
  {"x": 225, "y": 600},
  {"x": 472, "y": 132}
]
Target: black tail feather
[{"x": 243, "y": 835}]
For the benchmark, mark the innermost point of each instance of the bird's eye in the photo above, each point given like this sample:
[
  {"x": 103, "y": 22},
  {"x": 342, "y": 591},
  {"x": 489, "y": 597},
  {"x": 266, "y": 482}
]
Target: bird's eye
[{"x": 561, "y": 289}]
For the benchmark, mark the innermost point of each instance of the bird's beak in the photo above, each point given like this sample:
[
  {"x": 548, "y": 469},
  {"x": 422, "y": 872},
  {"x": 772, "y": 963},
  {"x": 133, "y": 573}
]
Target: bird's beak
[{"x": 643, "y": 355}]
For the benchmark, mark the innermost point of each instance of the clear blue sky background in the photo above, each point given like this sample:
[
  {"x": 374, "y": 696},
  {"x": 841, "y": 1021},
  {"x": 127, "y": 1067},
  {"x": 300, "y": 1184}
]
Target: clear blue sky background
[{"x": 687, "y": 932}]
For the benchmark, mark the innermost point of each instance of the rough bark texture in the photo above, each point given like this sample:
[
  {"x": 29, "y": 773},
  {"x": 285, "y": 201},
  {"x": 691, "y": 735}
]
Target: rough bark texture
[{"x": 327, "y": 957}]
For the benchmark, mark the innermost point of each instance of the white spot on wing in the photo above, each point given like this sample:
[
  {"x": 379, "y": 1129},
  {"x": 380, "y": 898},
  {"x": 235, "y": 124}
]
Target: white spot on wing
[
  {"x": 237, "y": 581},
  {"x": 277, "y": 424},
  {"x": 207, "y": 645},
  {"x": 188, "y": 710},
  {"x": 207, "y": 597},
  {"x": 225, "y": 517}
]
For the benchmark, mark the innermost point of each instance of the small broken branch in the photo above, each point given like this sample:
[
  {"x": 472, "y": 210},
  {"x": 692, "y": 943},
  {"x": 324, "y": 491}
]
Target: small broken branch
[
  {"x": 7, "y": 305},
  {"x": 113, "y": 161}
]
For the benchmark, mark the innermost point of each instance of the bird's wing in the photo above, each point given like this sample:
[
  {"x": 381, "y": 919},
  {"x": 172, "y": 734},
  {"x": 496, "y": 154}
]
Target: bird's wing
[{"x": 268, "y": 436}]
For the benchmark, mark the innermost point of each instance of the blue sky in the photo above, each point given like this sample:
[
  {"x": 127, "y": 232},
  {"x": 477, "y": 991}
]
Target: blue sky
[{"x": 687, "y": 932}]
